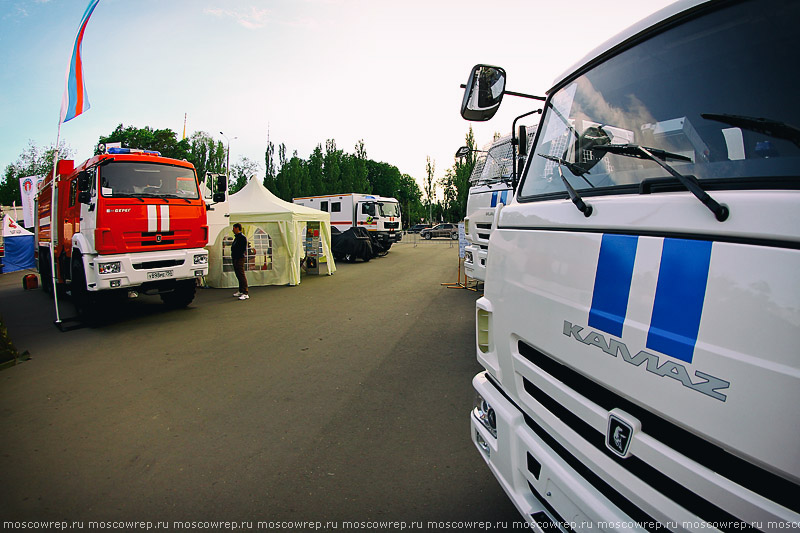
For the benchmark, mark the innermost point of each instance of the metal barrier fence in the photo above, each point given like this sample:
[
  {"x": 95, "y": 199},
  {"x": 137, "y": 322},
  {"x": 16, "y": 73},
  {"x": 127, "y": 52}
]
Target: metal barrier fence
[{"x": 415, "y": 240}]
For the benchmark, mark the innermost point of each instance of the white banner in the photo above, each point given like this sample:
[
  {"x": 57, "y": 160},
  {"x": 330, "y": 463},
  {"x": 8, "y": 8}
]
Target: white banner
[{"x": 28, "y": 187}]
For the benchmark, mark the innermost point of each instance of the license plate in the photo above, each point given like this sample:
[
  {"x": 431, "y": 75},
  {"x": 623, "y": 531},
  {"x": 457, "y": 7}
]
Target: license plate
[{"x": 161, "y": 274}]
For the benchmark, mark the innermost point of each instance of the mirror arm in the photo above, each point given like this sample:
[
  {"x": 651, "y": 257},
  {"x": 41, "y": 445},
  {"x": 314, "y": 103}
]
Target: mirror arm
[{"x": 521, "y": 95}]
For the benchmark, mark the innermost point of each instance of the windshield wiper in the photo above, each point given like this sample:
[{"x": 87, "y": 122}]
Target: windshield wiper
[
  {"x": 769, "y": 127},
  {"x": 177, "y": 197},
  {"x": 151, "y": 195},
  {"x": 127, "y": 195},
  {"x": 721, "y": 212},
  {"x": 582, "y": 206}
]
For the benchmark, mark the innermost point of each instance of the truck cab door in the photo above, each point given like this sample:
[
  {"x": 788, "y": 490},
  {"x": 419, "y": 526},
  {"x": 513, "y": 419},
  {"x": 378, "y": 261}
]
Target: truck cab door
[{"x": 365, "y": 215}]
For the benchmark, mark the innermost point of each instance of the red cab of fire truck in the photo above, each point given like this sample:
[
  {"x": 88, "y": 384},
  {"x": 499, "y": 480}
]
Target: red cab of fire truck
[{"x": 125, "y": 221}]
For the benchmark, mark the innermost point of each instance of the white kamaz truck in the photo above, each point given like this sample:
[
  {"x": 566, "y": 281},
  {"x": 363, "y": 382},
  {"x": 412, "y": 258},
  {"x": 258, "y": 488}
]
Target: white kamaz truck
[
  {"x": 490, "y": 186},
  {"x": 642, "y": 300},
  {"x": 380, "y": 215}
]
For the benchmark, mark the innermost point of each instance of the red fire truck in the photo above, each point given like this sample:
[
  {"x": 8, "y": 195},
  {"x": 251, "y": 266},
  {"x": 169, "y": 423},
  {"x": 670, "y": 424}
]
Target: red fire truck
[{"x": 124, "y": 222}]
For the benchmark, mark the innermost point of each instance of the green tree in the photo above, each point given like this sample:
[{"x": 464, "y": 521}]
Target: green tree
[
  {"x": 383, "y": 177},
  {"x": 241, "y": 172},
  {"x": 206, "y": 154},
  {"x": 360, "y": 176},
  {"x": 269, "y": 160},
  {"x": 410, "y": 197},
  {"x": 164, "y": 141},
  {"x": 455, "y": 183},
  {"x": 428, "y": 184},
  {"x": 331, "y": 170},
  {"x": 316, "y": 173}
]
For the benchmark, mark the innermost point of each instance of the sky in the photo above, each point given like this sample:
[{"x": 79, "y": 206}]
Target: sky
[{"x": 298, "y": 72}]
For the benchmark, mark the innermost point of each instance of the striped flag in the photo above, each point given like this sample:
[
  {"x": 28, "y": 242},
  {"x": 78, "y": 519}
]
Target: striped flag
[{"x": 75, "y": 100}]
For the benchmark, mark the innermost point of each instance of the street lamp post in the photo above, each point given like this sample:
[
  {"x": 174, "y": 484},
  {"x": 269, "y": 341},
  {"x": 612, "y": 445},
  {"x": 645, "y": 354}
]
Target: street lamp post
[{"x": 228, "y": 156}]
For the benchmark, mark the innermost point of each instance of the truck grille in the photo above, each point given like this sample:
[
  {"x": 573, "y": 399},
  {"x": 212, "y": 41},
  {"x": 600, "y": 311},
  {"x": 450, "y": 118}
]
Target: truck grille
[
  {"x": 171, "y": 239},
  {"x": 147, "y": 265},
  {"x": 391, "y": 225},
  {"x": 704, "y": 453}
]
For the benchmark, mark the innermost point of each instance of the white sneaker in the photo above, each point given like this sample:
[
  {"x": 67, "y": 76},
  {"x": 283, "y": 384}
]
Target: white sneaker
[
  {"x": 237, "y": 294},
  {"x": 244, "y": 297}
]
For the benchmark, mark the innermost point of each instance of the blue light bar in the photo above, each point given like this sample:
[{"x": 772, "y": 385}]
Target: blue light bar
[{"x": 115, "y": 150}]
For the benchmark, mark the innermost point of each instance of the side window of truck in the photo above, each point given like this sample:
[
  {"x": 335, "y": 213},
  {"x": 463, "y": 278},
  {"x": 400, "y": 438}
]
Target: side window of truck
[
  {"x": 336, "y": 207},
  {"x": 323, "y": 206}
]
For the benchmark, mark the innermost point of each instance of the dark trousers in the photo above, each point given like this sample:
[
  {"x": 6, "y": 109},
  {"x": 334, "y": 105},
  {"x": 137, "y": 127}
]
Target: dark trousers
[{"x": 238, "y": 267}]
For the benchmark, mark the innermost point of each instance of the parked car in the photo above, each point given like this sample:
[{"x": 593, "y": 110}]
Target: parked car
[
  {"x": 416, "y": 228},
  {"x": 440, "y": 230}
]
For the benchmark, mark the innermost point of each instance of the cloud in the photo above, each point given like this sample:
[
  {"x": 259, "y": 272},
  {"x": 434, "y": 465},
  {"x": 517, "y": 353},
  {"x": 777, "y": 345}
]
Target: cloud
[{"x": 252, "y": 19}]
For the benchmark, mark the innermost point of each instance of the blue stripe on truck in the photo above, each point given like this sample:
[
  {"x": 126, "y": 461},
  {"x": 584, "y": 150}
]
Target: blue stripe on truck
[
  {"x": 680, "y": 294},
  {"x": 612, "y": 283}
]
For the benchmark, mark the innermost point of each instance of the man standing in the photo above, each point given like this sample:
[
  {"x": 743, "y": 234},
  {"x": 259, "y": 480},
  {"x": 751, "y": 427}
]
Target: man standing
[{"x": 238, "y": 253}]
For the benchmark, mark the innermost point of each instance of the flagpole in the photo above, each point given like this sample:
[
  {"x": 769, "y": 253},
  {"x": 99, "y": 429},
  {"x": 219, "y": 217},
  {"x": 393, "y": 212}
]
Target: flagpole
[{"x": 54, "y": 223}]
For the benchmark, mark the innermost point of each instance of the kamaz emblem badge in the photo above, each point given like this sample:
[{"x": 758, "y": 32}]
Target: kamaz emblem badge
[{"x": 618, "y": 436}]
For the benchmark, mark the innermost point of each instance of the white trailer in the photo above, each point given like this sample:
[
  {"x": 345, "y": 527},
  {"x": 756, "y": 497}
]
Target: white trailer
[
  {"x": 639, "y": 326},
  {"x": 378, "y": 214}
]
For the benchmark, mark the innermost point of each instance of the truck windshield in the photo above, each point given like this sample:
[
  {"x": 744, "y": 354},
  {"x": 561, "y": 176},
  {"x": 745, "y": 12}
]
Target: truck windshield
[
  {"x": 125, "y": 179},
  {"x": 389, "y": 209},
  {"x": 495, "y": 164},
  {"x": 715, "y": 93}
]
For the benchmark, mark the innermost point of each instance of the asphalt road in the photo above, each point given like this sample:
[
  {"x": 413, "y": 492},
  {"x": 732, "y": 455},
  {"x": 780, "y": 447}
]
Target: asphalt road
[{"x": 345, "y": 398}]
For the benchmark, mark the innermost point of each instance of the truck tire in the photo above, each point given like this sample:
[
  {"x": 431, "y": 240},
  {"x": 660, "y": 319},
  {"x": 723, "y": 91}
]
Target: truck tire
[
  {"x": 85, "y": 302},
  {"x": 45, "y": 272},
  {"x": 181, "y": 296}
]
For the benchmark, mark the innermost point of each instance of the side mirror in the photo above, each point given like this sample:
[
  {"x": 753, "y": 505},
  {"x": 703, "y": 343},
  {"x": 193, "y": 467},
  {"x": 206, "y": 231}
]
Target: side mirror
[
  {"x": 85, "y": 187},
  {"x": 462, "y": 152},
  {"x": 483, "y": 92},
  {"x": 84, "y": 180},
  {"x": 221, "y": 184},
  {"x": 218, "y": 197},
  {"x": 522, "y": 139}
]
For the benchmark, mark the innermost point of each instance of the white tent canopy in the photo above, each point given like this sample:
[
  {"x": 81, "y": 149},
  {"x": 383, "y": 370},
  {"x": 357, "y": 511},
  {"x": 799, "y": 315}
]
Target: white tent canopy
[{"x": 276, "y": 233}]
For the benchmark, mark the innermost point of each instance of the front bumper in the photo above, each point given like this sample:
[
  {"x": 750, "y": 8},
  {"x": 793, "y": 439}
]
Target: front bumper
[
  {"x": 546, "y": 491},
  {"x": 475, "y": 262},
  {"x": 146, "y": 268}
]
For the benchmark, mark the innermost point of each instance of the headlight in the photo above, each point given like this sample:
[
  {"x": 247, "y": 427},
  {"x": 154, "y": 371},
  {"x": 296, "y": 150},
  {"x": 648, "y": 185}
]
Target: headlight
[
  {"x": 109, "y": 268},
  {"x": 485, "y": 414},
  {"x": 201, "y": 259}
]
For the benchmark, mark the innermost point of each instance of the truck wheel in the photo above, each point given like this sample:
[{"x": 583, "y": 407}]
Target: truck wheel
[
  {"x": 181, "y": 296},
  {"x": 45, "y": 272},
  {"x": 85, "y": 302}
]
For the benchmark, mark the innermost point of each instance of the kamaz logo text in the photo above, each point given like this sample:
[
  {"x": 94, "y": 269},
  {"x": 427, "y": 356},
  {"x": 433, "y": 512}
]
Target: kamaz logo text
[{"x": 709, "y": 385}]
